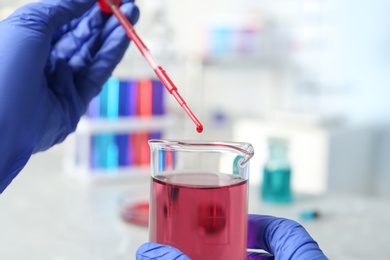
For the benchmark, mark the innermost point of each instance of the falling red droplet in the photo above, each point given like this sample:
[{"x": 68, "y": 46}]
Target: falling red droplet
[{"x": 199, "y": 128}]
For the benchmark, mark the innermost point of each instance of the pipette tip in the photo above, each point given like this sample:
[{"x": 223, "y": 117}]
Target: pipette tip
[{"x": 199, "y": 128}]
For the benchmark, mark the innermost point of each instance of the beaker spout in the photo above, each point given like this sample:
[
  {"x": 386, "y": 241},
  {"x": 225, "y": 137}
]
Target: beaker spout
[{"x": 247, "y": 152}]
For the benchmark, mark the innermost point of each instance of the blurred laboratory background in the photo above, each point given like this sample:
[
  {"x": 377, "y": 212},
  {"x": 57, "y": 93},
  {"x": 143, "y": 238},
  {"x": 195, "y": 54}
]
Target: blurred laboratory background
[{"x": 305, "y": 81}]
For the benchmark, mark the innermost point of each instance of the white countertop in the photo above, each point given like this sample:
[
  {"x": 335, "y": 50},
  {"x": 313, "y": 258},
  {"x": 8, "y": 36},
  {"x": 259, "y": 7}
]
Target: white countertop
[{"x": 45, "y": 215}]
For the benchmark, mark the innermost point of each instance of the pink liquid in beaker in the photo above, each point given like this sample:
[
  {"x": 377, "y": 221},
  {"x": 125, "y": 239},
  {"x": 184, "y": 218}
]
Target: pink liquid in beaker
[{"x": 203, "y": 215}]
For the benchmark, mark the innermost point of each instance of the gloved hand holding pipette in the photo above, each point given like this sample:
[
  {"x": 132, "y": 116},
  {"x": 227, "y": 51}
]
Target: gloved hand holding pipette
[
  {"x": 283, "y": 238},
  {"x": 55, "y": 55}
]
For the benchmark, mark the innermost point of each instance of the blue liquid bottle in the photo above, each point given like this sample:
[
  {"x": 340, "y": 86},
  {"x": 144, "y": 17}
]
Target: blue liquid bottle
[{"x": 276, "y": 186}]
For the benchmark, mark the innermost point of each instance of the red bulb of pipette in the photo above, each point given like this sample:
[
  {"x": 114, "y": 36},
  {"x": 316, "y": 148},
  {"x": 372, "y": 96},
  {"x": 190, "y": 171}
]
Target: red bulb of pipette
[{"x": 106, "y": 8}]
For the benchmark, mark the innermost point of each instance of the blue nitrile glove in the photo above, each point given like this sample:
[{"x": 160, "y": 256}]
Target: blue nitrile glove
[
  {"x": 284, "y": 238},
  {"x": 55, "y": 55},
  {"x": 154, "y": 251}
]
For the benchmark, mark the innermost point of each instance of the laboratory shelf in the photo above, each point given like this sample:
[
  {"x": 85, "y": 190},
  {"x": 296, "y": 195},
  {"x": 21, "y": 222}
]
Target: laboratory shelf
[
  {"x": 237, "y": 62},
  {"x": 77, "y": 159},
  {"x": 121, "y": 174},
  {"x": 118, "y": 125}
]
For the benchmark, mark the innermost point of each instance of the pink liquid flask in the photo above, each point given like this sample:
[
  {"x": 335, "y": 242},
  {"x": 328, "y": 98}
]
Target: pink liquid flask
[{"x": 195, "y": 207}]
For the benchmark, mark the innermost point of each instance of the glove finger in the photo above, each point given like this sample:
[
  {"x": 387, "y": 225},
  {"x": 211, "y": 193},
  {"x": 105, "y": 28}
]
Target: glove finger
[
  {"x": 284, "y": 238},
  {"x": 257, "y": 225},
  {"x": 83, "y": 56},
  {"x": 256, "y": 256},
  {"x": 74, "y": 23},
  {"x": 84, "y": 33},
  {"x": 48, "y": 15},
  {"x": 149, "y": 251},
  {"x": 91, "y": 78}
]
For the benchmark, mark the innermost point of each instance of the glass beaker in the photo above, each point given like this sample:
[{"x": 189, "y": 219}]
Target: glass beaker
[{"x": 198, "y": 200}]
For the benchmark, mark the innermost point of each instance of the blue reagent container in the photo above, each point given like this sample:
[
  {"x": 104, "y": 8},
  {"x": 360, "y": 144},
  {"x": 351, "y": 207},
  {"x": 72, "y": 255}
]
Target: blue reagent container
[{"x": 276, "y": 185}]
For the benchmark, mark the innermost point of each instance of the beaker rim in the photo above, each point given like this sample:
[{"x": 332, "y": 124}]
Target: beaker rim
[{"x": 242, "y": 147}]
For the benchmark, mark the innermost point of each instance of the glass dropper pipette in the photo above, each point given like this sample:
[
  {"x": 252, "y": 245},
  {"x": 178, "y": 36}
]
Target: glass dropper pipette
[{"x": 113, "y": 6}]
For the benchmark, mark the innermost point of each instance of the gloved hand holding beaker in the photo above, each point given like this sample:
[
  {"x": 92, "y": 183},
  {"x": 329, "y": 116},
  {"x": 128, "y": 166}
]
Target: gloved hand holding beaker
[
  {"x": 284, "y": 238},
  {"x": 55, "y": 55}
]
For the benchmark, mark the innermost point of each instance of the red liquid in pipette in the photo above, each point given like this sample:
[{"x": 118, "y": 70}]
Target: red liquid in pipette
[{"x": 160, "y": 72}]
